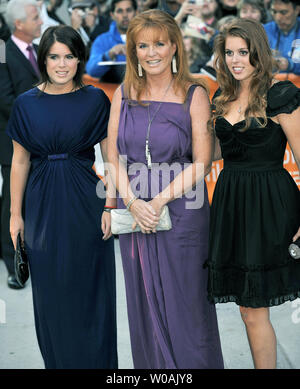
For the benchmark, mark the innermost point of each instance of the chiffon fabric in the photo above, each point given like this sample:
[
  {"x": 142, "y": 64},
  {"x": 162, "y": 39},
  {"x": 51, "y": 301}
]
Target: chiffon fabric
[
  {"x": 72, "y": 268},
  {"x": 255, "y": 212},
  {"x": 172, "y": 325}
]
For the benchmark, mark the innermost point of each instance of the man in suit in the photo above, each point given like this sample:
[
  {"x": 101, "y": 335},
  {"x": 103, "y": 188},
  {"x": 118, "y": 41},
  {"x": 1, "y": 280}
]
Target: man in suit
[{"x": 17, "y": 75}]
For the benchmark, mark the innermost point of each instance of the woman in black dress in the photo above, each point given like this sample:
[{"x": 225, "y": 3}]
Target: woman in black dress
[{"x": 255, "y": 212}]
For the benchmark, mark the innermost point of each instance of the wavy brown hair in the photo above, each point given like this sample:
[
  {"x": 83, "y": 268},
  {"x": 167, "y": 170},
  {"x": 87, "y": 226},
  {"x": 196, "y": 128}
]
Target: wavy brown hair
[
  {"x": 260, "y": 57},
  {"x": 160, "y": 23}
]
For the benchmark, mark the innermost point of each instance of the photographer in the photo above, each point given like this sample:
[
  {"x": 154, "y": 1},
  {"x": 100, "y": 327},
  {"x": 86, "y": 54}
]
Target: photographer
[
  {"x": 204, "y": 9},
  {"x": 79, "y": 15},
  {"x": 101, "y": 21},
  {"x": 188, "y": 7}
]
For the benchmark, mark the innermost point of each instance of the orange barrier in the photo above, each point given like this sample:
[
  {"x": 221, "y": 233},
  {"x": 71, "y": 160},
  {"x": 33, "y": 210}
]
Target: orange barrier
[
  {"x": 211, "y": 84},
  {"x": 288, "y": 76},
  {"x": 108, "y": 88},
  {"x": 211, "y": 179}
]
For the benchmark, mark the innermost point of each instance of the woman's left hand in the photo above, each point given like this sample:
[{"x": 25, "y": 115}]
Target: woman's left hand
[
  {"x": 297, "y": 235},
  {"x": 106, "y": 225},
  {"x": 157, "y": 204}
]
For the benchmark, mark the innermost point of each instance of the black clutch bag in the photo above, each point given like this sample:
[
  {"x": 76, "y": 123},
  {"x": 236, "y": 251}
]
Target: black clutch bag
[
  {"x": 294, "y": 249},
  {"x": 21, "y": 263}
]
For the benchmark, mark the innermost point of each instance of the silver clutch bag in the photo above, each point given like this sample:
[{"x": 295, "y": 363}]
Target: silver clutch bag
[{"x": 122, "y": 220}]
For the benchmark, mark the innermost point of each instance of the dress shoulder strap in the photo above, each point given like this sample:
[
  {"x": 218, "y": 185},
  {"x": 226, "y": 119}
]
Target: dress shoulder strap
[
  {"x": 190, "y": 93},
  {"x": 122, "y": 90}
]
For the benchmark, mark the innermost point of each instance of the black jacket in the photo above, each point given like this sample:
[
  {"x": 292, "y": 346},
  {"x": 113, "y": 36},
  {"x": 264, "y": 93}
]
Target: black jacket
[{"x": 16, "y": 77}]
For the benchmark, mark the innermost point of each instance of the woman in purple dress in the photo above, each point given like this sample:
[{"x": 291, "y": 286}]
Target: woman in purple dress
[{"x": 172, "y": 326}]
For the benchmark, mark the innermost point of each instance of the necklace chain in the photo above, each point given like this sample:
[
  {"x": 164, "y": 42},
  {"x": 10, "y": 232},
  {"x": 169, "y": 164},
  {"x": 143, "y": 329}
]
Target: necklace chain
[{"x": 150, "y": 120}]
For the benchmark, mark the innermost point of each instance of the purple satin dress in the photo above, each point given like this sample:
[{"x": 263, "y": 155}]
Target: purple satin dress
[{"x": 172, "y": 325}]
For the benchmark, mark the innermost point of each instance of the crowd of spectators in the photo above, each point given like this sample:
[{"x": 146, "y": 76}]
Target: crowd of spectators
[{"x": 103, "y": 24}]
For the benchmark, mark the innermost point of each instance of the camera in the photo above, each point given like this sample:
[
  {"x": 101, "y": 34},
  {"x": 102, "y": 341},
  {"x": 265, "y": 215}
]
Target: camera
[
  {"x": 82, "y": 8},
  {"x": 196, "y": 2}
]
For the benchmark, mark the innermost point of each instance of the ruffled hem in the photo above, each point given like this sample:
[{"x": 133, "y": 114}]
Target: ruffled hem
[
  {"x": 254, "y": 288},
  {"x": 271, "y": 302}
]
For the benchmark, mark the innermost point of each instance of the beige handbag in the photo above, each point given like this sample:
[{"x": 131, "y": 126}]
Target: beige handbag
[{"x": 122, "y": 220}]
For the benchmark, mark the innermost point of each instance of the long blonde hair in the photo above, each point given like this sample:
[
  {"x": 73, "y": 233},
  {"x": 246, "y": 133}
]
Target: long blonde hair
[
  {"x": 162, "y": 23},
  {"x": 260, "y": 57}
]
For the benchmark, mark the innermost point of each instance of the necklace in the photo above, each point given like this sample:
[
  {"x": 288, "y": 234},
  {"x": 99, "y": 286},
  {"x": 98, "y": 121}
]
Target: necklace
[
  {"x": 240, "y": 109},
  {"x": 150, "y": 120}
]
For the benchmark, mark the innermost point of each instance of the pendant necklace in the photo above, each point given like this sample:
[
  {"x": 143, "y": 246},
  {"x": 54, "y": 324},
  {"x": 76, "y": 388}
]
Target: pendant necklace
[
  {"x": 150, "y": 120},
  {"x": 240, "y": 109}
]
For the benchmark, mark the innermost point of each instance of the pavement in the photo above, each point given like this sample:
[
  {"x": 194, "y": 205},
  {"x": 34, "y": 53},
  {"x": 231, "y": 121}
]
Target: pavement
[{"x": 19, "y": 348}]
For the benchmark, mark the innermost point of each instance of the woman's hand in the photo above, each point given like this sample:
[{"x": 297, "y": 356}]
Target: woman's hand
[
  {"x": 16, "y": 227},
  {"x": 106, "y": 225},
  {"x": 144, "y": 215},
  {"x": 297, "y": 235},
  {"x": 157, "y": 204},
  {"x": 186, "y": 8}
]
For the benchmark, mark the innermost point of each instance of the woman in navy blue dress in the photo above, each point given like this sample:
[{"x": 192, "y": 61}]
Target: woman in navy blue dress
[{"x": 54, "y": 128}]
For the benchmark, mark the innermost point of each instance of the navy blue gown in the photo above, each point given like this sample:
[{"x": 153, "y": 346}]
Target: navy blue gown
[{"x": 72, "y": 268}]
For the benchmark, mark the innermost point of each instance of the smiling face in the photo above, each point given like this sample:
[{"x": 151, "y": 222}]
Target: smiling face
[
  {"x": 155, "y": 51},
  {"x": 61, "y": 66},
  {"x": 237, "y": 58}
]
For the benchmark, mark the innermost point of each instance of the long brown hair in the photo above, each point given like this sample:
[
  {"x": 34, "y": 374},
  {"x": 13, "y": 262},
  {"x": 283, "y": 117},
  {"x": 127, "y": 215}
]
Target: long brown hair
[
  {"x": 162, "y": 23},
  {"x": 260, "y": 57}
]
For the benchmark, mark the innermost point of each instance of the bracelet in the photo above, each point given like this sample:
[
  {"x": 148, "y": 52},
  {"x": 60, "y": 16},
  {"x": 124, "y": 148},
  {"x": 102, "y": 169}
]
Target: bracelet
[
  {"x": 130, "y": 202},
  {"x": 107, "y": 206},
  {"x": 107, "y": 210}
]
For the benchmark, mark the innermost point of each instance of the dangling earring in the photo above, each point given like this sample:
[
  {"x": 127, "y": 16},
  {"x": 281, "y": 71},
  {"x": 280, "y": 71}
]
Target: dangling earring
[
  {"x": 174, "y": 65},
  {"x": 140, "y": 70}
]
